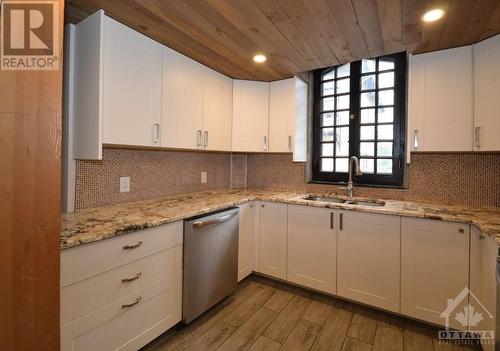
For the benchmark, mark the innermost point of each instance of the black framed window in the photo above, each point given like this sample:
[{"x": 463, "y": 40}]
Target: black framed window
[{"x": 360, "y": 110}]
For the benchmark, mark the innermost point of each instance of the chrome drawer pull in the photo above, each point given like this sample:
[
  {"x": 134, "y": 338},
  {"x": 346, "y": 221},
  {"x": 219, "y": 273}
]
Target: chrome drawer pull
[
  {"x": 133, "y": 303},
  {"x": 131, "y": 247},
  {"x": 137, "y": 276}
]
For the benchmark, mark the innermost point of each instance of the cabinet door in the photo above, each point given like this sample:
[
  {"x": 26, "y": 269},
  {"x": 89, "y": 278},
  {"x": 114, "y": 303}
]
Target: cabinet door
[
  {"x": 182, "y": 101},
  {"x": 131, "y": 86},
  {"x": 440, "y": 107},
  {"x": 272, "y": 239},
  {"x": 368, "y": 260},
  {"x": 312, "y": 241},
  {"x": 250, "y": 116},
  {"x": 245, "y": 240},
  {"x": 281, "y": 115},
  {"x": 434, "y": 269},
  {"x": 217, "y": 108},
  {"x": 486, "y": 88}
]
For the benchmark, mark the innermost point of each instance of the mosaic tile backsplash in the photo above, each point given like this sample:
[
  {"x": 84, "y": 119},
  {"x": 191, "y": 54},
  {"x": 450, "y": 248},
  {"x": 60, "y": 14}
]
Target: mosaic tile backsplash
[
  {"x": 466, "y": 178},
  {"x": 455, "y": 178}
]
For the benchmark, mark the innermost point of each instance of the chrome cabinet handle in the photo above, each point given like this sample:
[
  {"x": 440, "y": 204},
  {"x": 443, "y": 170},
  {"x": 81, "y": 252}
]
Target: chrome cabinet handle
[
  {"x": 134, "y": 246},
  {"x": 331, "y": 220},
  {"x": 341, "y": 221},
  {"x": 156, "y": 133},
  {"x": 201, "y": 224},
  {"x": 265, "y": 142},
  {"x": 205, "y": 139},
  {"x": 137, "y": 276},
  {"x": 133, "y": 303},
  {"x": 477, "y": 141},
  {"x": 198, "y": 138},
  {"x": 415, "y": 139},
  {"x": 289, "y": 143}
]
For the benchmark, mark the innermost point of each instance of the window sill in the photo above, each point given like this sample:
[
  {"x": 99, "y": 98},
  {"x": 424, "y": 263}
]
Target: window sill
[{"x": 400, "y": 187}]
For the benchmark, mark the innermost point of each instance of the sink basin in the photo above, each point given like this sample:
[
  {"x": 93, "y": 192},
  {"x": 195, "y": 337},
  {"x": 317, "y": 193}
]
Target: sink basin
[
  {"x": 324, "y": 199},
  {"x": 365, "y": 202}
]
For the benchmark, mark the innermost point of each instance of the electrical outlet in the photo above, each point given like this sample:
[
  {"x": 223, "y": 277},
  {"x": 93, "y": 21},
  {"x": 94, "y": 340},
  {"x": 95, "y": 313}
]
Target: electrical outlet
[
  {"x": 124, "y": 184},
  {"x": 203, "y": 177}
]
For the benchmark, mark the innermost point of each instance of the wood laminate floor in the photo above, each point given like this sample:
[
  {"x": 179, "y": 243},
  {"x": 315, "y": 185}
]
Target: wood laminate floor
[{"x": 263, "y": 314}]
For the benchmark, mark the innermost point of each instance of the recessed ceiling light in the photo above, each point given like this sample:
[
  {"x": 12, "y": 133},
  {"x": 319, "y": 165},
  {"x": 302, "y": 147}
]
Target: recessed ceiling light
[
  {"x": 259, "y": 58},
  {"x": 433, "y": 15}
]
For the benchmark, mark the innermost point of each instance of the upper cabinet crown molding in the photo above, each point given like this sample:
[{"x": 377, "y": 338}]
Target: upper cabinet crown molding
[{"x": 486, "y": 88}]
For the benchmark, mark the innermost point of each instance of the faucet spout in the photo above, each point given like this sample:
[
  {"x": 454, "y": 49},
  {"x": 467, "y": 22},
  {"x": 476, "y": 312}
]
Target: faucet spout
[{"x": 357, "y": 172}]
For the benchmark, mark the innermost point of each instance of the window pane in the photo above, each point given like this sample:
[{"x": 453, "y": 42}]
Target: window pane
[
  {"x": 366, "y": 165},
  {"x": 327, "y": 134},
  {"x": 341, "y": 164},
  {"x": 343, "y": 85},
  {"x": 384, "y": 64},
  {"x": 328, "y": 103},
  {"x": 329, "y": 74},
  {"x": 385, "y": 114},
  {"x": 367, "y": 133},
  {"x": 344, "y": 70},
  {"x": 384, "y": 131},
  {"x": 367, "y": 99},
  {"x": 386, "y": 97},
  {"x": 327, "y": 119},
  {"x": 386, "y": 80},
  {"x": 368, "y": 115},
  {"x": 366, "y": 149},
  {"x": 342, "y": 118},
  {"x": 342, "y": 102},
  {"x": 384, "y": 166},
  {"x": 384, "y": 149},
  {"x": 342, "y": 141},
  {"x": 328, "y": 88},
  {"x": 327, "y": 149},
  {"x": 368, "y": 65},
  {"x": 368, "y": 82},
  {"x": 327, "y": 165}
]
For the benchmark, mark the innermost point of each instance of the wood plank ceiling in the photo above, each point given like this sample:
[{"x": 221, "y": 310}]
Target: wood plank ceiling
[{"x": 296, "y": 35}]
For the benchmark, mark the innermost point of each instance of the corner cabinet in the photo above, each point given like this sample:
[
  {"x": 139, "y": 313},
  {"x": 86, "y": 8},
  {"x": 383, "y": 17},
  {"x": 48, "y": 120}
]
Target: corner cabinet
[
  {"x": 117, "y": 87},
  {"x": 440, "y": 101},
  {"x": 434, "y": 269},
  {"x": 273, "y": 239},
  {"x": 312, "y": 247},
  {"x": 486, "y": 88},
  {"x": 250, "y": 116},
  {"x": 246, "y": 240},
  {"x": 368, "y": 259}
]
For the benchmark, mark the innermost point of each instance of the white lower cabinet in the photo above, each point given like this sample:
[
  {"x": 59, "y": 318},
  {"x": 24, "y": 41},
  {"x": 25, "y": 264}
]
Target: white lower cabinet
[
  {"x": 312, "y": 245},
  {"x": 121, "y": 293},
  {"x": 434, "y": 270},
  {"x": 273, "y": 239},
  {"x": 368, "y": 261},
  {"x": 246, "y": 240}
]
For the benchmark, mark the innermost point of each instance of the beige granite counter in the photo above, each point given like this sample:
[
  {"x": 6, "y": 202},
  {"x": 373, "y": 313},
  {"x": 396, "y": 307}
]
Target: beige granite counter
[{"x": 105, "y": 222}]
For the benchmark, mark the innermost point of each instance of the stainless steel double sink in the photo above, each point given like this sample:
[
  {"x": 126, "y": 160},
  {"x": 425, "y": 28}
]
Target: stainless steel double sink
[{"x": 347, "y": 201}]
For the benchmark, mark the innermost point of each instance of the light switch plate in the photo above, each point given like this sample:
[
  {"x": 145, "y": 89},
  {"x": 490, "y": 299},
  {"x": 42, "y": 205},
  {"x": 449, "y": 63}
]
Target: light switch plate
[
  {"x": 203, "y": 177},
  {"x": 124, "y": 184}
]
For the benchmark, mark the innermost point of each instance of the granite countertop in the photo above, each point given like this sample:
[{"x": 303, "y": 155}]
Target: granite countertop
[{"x": 105, "y": 222}]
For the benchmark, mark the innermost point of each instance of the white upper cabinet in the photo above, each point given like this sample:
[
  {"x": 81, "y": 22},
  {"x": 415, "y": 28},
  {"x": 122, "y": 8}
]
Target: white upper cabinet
[
  {"x": 434, "y": 269},
  {"x": 250, "y": 116},
  {"x": 217, "y": 110},
  {"x": 368, "y": 259},
  {"x": 132, "y": 86},
  {"x": 312, "y": 247},
  {"x": 440, "y": 101},
  {"x": 117, "y": 87},
  {"x": 182, "y": 101},
  {"x": 486, "y": 88}
]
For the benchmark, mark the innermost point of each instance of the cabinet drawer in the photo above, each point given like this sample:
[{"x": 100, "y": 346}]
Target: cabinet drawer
[
  {"x": 84, "y": 297},
  {"x": 89, "y": 260},
  {"x": 116, "y": 328}
]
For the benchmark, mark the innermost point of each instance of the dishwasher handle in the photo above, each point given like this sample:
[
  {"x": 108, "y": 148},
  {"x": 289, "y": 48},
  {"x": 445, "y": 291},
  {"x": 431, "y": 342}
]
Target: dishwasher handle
[{"x": 201, "y": 224}]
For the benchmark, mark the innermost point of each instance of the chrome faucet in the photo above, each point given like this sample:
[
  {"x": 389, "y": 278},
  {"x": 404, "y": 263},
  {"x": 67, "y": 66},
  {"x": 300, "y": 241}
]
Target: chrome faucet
[{"x": 350, "y": 187}]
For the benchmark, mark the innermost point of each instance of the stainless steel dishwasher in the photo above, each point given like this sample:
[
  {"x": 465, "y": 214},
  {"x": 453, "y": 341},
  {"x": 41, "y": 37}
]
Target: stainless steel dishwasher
[{"x": 210, "y": 261}]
